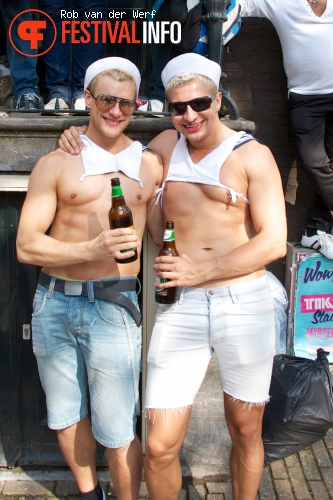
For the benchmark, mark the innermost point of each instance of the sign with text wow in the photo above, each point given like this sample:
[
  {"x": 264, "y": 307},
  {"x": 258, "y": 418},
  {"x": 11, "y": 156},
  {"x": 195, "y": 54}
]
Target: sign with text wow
[{"x": 313, "y": 321}]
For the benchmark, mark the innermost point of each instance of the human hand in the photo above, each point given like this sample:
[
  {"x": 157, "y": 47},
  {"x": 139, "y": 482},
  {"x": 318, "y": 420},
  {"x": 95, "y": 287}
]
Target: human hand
[
  {"x": 70, "y": 141},
  {"x": 181, "y": 271},
  {"x": 113, "y": 242}
]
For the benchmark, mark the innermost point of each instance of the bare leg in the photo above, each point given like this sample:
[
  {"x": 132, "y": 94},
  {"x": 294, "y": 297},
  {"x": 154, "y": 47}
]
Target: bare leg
[
  {"x": 167, "y": 431},
  {"x": 247, "y": 455},
  {"x": 125, "y": 466},
  {"x": 79, "y": 446}
]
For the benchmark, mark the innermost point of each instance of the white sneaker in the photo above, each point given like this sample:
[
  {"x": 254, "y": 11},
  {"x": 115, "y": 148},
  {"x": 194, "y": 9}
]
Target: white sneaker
[
  {"x": 156, "y": 106},
  {"x": 56, "y": 103},
  {"x": 323, "y": 242},
  {"x": 80, "y": 104}
]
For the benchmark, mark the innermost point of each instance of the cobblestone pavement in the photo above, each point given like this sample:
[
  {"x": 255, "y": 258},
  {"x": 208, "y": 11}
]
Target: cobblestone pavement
[{"x": 307, "y": 475}]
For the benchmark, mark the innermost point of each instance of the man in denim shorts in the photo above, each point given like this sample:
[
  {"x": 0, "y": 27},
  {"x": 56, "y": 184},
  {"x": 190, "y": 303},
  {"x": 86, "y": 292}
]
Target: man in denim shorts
[
  {"x": 223, "y": 191},
  {"x": 86, "y": 323}
]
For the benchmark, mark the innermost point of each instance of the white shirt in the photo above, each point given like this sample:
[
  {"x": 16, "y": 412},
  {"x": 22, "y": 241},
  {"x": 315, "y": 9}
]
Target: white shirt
[
  {"x": 306, "y": 40},
  {"x": 207, "y": 170},
  {"x": 98, "y": 161}
]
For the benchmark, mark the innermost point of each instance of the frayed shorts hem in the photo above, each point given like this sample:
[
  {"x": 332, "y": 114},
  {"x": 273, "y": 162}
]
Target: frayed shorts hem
[{"x": 247, "y": 403}]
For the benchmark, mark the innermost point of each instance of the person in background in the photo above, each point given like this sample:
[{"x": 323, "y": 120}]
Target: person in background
[
  {"x": 22, "y": 67},
  {"x": 66, "y": 63},
  {"x": 305, "y": 29},
  {"x": 188, "y": 13}
]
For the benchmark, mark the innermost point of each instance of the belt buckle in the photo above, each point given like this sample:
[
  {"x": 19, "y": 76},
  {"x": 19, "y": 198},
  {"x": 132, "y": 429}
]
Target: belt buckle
[{"x": 73, "y": 288}]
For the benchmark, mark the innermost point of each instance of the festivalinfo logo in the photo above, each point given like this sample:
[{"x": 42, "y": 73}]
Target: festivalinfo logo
[{"x": 91, "y": 31}]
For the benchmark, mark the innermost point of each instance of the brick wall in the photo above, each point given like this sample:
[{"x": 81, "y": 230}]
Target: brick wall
[{"x": 257, "y": 83}]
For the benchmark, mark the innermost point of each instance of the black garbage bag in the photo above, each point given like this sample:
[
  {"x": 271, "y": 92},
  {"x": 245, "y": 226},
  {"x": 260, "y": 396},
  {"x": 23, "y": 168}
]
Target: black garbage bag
[{"x": 300, "y": 410}]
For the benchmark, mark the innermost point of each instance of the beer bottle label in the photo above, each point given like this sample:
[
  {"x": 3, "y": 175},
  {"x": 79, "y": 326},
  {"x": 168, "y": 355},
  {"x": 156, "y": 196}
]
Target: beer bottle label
[
  {"x": 169, "y": 235},
  {"x": 129, "y": 249},
  {"x": 161, "y": 291},
  {"x": 116, "y": 191}
]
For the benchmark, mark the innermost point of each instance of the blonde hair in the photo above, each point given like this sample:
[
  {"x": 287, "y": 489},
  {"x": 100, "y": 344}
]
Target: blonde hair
[
  {"x": 185, "y": 78},
  {"x": 117, "y": 74}
]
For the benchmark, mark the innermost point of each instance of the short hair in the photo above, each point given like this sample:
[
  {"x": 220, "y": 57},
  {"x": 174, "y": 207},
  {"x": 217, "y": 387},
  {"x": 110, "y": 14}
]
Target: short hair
[
  {"x": 117, "y": 74},
  {"x": 185, "y": 78}
]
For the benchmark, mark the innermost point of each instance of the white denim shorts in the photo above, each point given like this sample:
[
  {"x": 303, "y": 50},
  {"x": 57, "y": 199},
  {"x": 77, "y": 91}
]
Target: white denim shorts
[{"x": 236, "y": 322}]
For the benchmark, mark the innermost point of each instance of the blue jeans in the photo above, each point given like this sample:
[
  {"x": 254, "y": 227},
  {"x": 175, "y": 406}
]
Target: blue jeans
[
  {"x": 22, "y": 68},
  {"x": 87, "y": 345},
  {"x": 66, "y": 63}
]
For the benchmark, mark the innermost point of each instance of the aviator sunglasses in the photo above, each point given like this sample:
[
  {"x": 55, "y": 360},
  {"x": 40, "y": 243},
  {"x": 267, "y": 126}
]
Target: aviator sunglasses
[
  {"x": 198, "y": 104},
  {"x": 106, "y": 102}
]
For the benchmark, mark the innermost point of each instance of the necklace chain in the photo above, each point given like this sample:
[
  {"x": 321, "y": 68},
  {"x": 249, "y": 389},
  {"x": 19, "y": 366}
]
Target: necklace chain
[{"x": 313, "y": 1}]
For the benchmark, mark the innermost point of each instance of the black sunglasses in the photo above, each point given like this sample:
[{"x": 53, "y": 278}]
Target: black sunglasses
[
  {"x": 198, "y": 104},
  {"x": 106, "y": 102}
]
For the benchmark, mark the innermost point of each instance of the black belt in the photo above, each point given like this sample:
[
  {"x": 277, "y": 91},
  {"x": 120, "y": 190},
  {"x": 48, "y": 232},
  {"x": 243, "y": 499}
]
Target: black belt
[{"x": 108, "y": 290}]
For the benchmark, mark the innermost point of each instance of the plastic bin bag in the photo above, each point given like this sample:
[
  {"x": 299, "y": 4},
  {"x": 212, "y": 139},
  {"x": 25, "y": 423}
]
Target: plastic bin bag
[{"x": 300, "y": 410}]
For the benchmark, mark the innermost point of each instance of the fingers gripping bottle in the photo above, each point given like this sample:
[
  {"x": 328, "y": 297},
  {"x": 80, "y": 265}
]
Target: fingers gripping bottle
[
  {"x": 167, "y": 295},
  {"x": 120, "y": 215}
]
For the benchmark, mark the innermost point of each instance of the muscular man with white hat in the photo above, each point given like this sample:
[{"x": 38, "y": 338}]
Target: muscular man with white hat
[
  {"x": 223, "y": 191},
  {"x": 86, "y": 324}
]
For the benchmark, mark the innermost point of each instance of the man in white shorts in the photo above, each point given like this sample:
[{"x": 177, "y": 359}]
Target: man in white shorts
[{"x": 223, "y": 191}]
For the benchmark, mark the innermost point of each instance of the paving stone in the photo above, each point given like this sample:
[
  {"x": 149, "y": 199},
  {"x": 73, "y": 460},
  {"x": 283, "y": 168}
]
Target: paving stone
[
  {"x": 318, "y": 490},
  {"x": 279, "y": 470},
  {"x": 327, "y": 474},
  {"x": 322, "y": 456},
  {"x": 64, "y": 488},
  {"x": 216, "y": 496},
  {"x": 298, "y": 482},
  {"x": 29, "y": 488},
  {"x": 266, "y": 489},
  {"x": 309, "y": 465},
  {"x": 328, "y": 439},
  {"x": 283, "y": 489},
  {"x": 27, "y": 497},
  {"x": 215, "y": 488},
  {"x": 291, "y": 461},
  {"x": 1, "y": 486},
  {"x": 197, "y": 492}
]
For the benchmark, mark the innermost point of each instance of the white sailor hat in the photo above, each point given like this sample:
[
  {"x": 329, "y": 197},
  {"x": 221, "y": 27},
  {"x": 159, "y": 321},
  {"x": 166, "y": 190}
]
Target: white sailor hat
[
  {"x": 191, "y": 63},
  {"x": 112, "y": 63}
]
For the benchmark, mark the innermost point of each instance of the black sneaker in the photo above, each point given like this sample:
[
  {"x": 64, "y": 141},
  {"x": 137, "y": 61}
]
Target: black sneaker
[{"x": 30, "y": 100}]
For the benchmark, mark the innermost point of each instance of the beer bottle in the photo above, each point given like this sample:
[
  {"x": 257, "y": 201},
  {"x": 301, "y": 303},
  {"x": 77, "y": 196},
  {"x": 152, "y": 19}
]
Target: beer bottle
[
  {"x": 167, "y": 295},
  {"x": 120, "y": 215}
]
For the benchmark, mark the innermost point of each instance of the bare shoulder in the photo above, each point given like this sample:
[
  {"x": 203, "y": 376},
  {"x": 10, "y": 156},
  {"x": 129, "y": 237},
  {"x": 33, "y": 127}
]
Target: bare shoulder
[
  {"x": 256, "y": 157},
  {"x": 50, "y": 167},
  {"x": 56, "y": 159}
]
